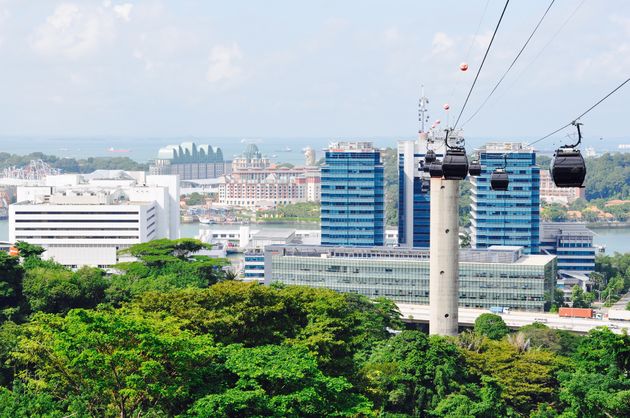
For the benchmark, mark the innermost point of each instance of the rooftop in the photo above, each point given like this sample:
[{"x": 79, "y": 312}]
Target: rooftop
[
  {"x": 499, "y": 254},
  {"x": 189, "y": 152},
  {"x": 503, "y": 147},
  {"x": 359, "y": 146}
]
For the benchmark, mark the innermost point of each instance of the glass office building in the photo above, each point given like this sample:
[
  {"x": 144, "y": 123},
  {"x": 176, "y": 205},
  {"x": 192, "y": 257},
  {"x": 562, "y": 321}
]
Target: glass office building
[
  {"x": 352, "y": 195},
  {"x": 414, "y": 204},
  {"x": 497, "y": 276},
  {"x": 511, "y": 217},
  {"x": 572, "y": 243},
  {"x": 253, "y": 266}
]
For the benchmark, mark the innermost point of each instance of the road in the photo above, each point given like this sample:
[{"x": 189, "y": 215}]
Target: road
[{"x": 516, "y": 319}]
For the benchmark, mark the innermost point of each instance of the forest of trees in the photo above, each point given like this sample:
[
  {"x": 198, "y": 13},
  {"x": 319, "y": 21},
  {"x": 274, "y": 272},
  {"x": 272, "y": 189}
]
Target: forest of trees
[
  {"x": 72, "y": 165},
  {"x": 171, "y": 335}
]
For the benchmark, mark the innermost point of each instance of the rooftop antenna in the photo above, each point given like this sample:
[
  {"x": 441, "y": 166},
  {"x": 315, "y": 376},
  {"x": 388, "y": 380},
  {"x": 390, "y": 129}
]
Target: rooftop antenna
[{"x": 423, "y": 117}]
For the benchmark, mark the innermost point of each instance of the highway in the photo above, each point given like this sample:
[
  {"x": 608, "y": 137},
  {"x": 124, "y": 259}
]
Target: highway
[{"x": 516, "y": 319}]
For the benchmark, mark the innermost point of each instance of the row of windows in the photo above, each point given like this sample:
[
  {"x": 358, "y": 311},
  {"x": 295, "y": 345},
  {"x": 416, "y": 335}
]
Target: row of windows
[
  {"x": 77, "y": 229},
  {"x": 76, "y": 221},
  {"x": 73, "y": 213},
  {"x": 21, "y": 237}
]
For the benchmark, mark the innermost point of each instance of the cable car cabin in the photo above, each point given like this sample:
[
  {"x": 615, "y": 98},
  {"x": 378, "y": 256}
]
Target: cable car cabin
[
  {"x": 568, "y": 168},
  {"x": 474, "y": 169},
  {"x": 435, "y": 169},
  {"x": 455, "y": 164},
  {"x": 429, "y": 157},
  {"x": 499, "y": 180}
]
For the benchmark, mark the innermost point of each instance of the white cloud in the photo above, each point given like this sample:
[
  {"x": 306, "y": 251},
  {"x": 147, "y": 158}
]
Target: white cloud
[
  {"x": 73, "y": 31},
  {"x": 392, "y": 35},
  {"x": 4, "y": 15},
  {"x": 123, "y": 11},
  {"x": 441, "y": 43},
  {"x": 224, "y": 63},
  {"x": 622, "y": 21}
]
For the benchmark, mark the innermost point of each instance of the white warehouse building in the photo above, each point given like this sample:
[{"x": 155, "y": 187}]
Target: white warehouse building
[{"x": 85, "y": 219}]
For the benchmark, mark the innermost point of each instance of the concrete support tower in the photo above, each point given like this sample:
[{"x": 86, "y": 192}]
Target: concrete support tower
[{"x": 444, "y": 257}]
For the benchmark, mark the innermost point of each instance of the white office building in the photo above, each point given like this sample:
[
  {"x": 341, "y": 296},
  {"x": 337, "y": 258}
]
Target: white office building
[{"x": 85, "y": 219}]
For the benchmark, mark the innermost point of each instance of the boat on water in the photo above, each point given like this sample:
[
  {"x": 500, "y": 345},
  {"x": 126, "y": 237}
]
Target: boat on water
[{"x": 205, "y": 220}]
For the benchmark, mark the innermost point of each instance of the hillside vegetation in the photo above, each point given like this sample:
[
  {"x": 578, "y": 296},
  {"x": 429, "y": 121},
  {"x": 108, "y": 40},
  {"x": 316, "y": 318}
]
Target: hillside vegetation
[
  {"x": 171, "y": 335},
  {"x": 72, "y": 165}
]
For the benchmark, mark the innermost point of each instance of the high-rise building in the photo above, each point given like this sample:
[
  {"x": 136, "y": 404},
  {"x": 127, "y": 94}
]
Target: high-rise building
[
  {"x": 572, "y": 243},
  {"x": 509, "y": 217},
  {"x": 414, "y": 191},
  {"x": 352, "y": 195}
]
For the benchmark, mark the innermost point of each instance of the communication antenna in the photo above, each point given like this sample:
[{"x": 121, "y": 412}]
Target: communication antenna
[{"x": 423, "y": 117}]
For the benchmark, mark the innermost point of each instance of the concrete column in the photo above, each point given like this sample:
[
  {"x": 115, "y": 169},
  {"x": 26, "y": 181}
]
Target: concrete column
[{"x": 444, "y": 257}]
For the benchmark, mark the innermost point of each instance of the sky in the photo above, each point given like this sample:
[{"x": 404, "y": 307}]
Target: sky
[{"x": 306, "y": 69}]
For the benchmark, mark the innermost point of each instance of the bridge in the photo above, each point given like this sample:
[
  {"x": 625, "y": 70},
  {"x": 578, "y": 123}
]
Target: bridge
[{"x": 414, "y": 313}]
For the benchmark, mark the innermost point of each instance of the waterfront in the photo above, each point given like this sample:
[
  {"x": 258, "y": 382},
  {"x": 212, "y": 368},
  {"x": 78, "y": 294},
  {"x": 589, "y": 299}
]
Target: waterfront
[{"x": 615, "y": 239}]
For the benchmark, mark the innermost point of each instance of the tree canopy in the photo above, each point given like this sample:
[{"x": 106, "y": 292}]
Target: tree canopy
[
  {"x": 491, "y": 326},
  {"x": 168, "y": 335}
]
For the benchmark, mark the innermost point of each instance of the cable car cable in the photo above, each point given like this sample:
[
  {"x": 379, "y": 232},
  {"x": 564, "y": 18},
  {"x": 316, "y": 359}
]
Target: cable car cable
[
  {"x": 582, "y": 114},
  {"x": 482, "y": 62},
  {"x": 555, "y": 35},
  {"x": 531, "y": 35},
  {"x": 472, "y": 42}
]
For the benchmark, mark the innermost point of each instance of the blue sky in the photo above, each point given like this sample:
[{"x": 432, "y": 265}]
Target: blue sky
[{"x": 309, "y": 69}]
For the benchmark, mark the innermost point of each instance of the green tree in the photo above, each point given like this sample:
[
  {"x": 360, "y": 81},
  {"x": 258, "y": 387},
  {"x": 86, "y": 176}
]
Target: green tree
[
  {"x": 22, "y": 402},
  {"x": 120, "y": 363},
  {"x": 608, "y": 176},
  {"x": 390, "y": 168},
  {"x": 554, "y": 212},
  {"x": 476, "y": 403},
  {"x": 598, "y": 384},
  {"x": 9, "y": 336},
  {"x": 590, "y": 216},
  {"x": 279, "y": 381},
  {"x": 541, "y": 336},
  {"x": 29, "y": 251},
  {"x": 554, "y": 300},
  {"x": 10, "y": 286},
  {"x": 57, "y": 289},
  {"x": 465, "y": 241},
  {"x": 528, "y": 377},
  {"x": 491, "y": 325},
  {"x": 195, "y": 199},
  {"x": 164, "y": 265},
  {"x": 580, "y": 298},
  {"x": 336, "y": 328},
  {"x": 411, "y": 373},
  {"x": 162, "y": 251}
]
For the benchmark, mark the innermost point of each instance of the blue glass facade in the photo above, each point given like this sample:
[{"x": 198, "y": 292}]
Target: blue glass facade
[
  {"x": 572, "y": 243},
  {"x": 352, "y": 197},
  {"x": 421, "y": 204},
  {"x": 254, "y": 266},
  {"x": 511, "y": 217}
]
